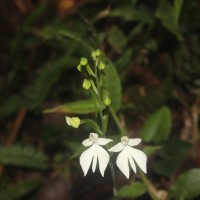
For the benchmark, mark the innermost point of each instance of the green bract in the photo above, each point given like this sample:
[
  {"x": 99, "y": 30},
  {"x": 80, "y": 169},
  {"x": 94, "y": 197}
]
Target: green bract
[{"x": 79, "y": 68}]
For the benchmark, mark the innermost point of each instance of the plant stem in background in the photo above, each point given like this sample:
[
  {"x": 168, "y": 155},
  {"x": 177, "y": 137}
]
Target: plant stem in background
[
  {"x": 121, "y": 129},
  {"x": 195, "y": 116},
  {"x": 151, "y": 189}
]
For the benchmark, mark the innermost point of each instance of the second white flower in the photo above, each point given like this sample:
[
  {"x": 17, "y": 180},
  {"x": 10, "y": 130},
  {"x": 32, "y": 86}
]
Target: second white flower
[{"x": 129, "y": 155}]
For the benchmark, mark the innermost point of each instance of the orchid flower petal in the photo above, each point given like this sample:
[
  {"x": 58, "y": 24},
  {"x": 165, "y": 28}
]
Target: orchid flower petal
[
  {"x": 122, "y": 163},
  {"x": 86, "y": 158},
  {"x": 94, "y": 162},
  {"x": 103, "y": 158},
  {"x": 117, "y": 148},
  {"x": 103, "y": 141},
  {"x": 132, "y": 163},
  {"x": 68, "y": 120},
  {"x": 134, "y": 142},
  {"x": 139, "y": 157},
  {"x": 87, "y": 142}
]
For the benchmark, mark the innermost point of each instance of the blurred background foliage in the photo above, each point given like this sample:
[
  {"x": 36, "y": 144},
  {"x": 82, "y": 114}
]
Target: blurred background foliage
[{"x": 153, "y": 51}]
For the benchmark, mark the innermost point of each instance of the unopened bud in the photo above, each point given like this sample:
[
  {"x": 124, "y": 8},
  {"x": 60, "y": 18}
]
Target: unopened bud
[
  {"x": 86, "y": 84},
  {"x": 83, "y": 61},
  {"x": 93, "y": 54},
  {"x": 98, "y": 52},
  {"x": 73, "y": 122},
  {"x": 79, "y": 68},
  {"x": 101, "y": 66},
  {"x": 107, "y": 100}
]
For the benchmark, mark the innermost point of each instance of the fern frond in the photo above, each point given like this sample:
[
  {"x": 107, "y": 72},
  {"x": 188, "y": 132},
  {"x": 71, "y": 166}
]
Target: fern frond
[
  {"x": 38, "y": 91},
  {"x": 23, "y": 156}
]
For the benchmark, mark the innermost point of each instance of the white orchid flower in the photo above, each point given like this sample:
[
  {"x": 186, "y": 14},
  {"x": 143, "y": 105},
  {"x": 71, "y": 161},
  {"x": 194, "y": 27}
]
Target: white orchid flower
[
  {"x": 129, "y": 155},
  {"x": 93, "y": 153}
]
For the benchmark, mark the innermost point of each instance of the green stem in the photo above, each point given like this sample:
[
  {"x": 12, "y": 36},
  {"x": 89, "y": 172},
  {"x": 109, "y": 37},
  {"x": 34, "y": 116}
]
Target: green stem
[
  {"x": 115, "y": 192},
  {"x": 99, "y": 93},
  {"x": 121, "y": 129},
  {"x": 104, "y": 124},
  {"x": 151, "y": 189}
]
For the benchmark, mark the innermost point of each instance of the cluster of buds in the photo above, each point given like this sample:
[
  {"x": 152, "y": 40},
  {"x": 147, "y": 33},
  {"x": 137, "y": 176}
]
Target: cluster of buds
[{"x": 88, "y": 83}]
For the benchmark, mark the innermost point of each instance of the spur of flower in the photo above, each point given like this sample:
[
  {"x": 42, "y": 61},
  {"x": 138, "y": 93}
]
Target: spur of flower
[
  {"x": 129, "y": 155},
  {"x": 94, "y": 153}
]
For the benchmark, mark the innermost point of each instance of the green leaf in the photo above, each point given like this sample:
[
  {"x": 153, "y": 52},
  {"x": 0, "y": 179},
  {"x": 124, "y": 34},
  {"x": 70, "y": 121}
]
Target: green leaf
[
  {"x": 61, "y": 31},
  {"x": 187, "y": 186},
  {"x": 11, "y": 105},
  {"x": 117, "y": 39},
  {"x": 157, "y": 127},
  {"x": 76, "y": 107},
  {"x": 124, "y": 60},
  {"x": 38, "y": 91},
  {"x": 136, "y": 189},
  {"x": 149, "y": 150},
  {"x": 166, "y": 13},
  {"x": 170, "y": 157},
  {"x": 112, "y": 84},
  {"x": 19, "y": 190},
  {"x": 74, "y": 36},
  {"x": 125, "y": 12},
  {"x": 177, "y": 7},
  {"x": 23, "y": 156},
  {"x": 33, "y": 96},
  {"x": 25, "y": 27},
  {"x": 133, "y": 13}
]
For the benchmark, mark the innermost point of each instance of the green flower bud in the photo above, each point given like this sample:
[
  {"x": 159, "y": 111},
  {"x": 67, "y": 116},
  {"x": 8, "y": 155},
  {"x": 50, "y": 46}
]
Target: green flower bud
[
  {"x": 98, "y": 52},
  {"x": 73, "y": 122},
  {"x": 107, "y": 100},
  {"x": 84, "y": 61},
  {"x": 101, "y": 66},
  {"x": 93, "y": 54},
  {"x": 86, "y": 84},
  {"x": 79, "y": 68}
]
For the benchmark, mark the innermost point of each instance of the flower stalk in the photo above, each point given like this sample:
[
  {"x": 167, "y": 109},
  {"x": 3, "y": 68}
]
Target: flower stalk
[{"x": 104, "y": 122}]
